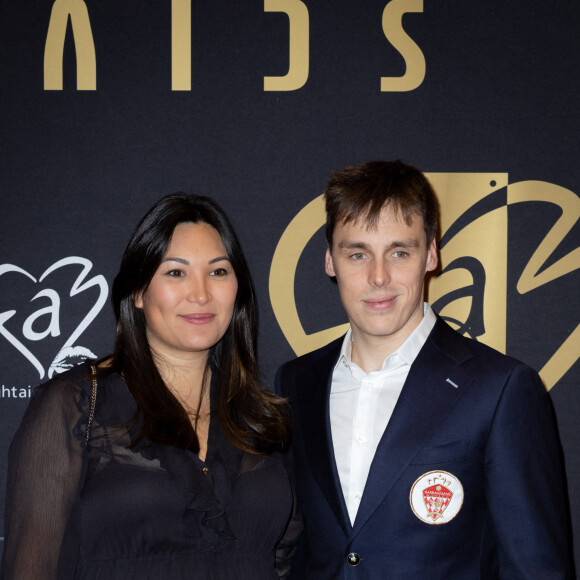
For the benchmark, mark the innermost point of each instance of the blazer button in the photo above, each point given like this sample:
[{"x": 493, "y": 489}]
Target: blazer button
[{"x": 353, "y": 559}]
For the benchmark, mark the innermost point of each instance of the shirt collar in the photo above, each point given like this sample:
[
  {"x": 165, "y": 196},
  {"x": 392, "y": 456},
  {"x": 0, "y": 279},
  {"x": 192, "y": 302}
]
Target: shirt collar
[
  {"x": 346, "y": 350},
  {"x": 407, "y": 352}
]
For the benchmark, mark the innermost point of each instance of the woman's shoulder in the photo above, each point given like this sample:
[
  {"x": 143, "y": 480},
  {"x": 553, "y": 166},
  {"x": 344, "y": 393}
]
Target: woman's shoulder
[
  {"x": 74, "y": 385},
  {"x": 79, "y": 378},
  {"x": 76, "y": 379},
  {"x": 61, "y": 402},
  {"x": 66, "y": 397}
]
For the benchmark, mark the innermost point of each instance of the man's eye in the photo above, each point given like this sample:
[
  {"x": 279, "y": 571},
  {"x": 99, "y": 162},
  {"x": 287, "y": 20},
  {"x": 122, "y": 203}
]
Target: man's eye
[
  {"x": 401, "y": 254},
  {"x": 358, "y": 256}
]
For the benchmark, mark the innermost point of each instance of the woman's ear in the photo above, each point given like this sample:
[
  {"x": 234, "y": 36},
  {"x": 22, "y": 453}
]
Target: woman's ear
[{"x": 138, "y": 299}]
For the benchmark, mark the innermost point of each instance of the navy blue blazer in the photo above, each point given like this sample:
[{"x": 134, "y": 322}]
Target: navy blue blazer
[{"x": 465, "y": 411}]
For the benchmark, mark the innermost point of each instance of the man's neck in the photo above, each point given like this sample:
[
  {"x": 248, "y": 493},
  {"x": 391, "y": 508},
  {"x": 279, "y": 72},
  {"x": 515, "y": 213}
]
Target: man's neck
[
  {"x": 370, "y": 355},
  {"x": 369, "y": 352}
]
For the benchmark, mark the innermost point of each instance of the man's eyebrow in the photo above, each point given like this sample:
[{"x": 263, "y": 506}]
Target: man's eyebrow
[
  {"x": 355, "y": 245},
  {"x": 405, "y": 243}
]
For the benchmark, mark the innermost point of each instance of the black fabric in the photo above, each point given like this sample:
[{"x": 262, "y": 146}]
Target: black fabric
[{"x": 108, "y": 511}]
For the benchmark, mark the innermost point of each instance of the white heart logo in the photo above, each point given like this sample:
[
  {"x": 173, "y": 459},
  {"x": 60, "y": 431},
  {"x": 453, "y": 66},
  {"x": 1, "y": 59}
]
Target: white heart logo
[{"x": 68, "y": 349}]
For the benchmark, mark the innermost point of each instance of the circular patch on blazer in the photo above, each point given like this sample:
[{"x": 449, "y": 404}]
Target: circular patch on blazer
[{"x": 436, "y": 497}]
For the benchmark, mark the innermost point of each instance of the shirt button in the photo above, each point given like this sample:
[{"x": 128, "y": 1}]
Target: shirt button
[
  {"x": 205, "y": 470},
  {"x": 357, "y": 497},
  {"x": 353, "y": 559}
]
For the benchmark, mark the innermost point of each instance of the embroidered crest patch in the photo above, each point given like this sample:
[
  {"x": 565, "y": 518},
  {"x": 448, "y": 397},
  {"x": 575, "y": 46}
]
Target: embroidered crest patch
[{"x": 436, "y": 497}]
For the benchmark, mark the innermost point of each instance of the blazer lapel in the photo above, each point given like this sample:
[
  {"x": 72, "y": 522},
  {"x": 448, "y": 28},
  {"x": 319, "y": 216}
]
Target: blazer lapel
[
  {"x": 434, "y": 384},
  {"x": 315, "y": 423}
]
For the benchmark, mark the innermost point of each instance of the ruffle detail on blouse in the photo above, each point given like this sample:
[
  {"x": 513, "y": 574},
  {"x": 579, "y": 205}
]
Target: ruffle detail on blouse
[
  {"x": 205, "y": 519},
  {"x": 204, "y": 516}
]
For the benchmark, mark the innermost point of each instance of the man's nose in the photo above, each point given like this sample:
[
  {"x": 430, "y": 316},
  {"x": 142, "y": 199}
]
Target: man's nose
[{"x": 379, "y": 274}]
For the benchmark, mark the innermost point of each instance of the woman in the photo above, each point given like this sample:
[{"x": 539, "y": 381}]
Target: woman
[{"x": 183, "y": 473}]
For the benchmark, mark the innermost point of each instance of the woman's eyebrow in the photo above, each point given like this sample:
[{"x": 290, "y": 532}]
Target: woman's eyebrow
[
  {"x": 219, "y": 259},
  {"x": 180, "y": 260},
  {"x": 186, "y": 262}
]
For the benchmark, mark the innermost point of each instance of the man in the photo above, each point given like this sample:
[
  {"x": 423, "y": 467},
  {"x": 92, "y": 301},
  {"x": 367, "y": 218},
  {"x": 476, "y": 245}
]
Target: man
[{"x": 418, "y": 453}]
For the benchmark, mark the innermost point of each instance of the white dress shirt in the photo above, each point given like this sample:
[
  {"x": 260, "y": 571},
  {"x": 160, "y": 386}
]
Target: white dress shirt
[{"x": 361, "y": 405}]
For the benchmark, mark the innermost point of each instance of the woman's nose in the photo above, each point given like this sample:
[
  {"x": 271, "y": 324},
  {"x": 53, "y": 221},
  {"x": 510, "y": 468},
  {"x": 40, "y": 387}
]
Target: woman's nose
[{"x": 198, "y": 291}]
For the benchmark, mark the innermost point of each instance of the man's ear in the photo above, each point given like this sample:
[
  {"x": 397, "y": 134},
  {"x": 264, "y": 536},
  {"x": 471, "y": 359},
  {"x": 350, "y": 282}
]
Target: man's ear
[
  {"x": 328, "y": 264},
  {"x": 432, "y": 259}
]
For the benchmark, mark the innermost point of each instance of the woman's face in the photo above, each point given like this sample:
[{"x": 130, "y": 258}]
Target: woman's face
[{"x": 189, "y": 303}]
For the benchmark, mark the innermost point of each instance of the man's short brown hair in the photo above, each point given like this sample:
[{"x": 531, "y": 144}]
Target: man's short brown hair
[{"x": 362, "y": 191}]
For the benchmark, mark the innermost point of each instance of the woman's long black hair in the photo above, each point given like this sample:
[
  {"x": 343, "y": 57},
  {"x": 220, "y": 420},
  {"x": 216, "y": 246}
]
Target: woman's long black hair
[{"x": 252, "y": 417}]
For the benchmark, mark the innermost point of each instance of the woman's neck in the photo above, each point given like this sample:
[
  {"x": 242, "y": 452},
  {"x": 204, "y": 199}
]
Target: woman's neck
[{"x": 189, "y": 382}]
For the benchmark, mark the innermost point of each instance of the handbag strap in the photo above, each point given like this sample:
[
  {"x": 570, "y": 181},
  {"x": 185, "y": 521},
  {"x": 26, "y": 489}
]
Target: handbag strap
[{"x": 93, "y": 402}]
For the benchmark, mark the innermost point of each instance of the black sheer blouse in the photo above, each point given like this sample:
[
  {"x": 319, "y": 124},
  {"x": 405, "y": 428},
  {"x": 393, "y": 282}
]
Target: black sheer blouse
[{"x": 103, "y": 510}]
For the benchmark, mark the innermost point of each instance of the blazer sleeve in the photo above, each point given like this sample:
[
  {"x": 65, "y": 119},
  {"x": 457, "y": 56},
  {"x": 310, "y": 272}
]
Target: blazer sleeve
[
  {"x": 278, "y": 383},
  {"x": 46, "y": 462},
  {"x": 525, "y": 484}
]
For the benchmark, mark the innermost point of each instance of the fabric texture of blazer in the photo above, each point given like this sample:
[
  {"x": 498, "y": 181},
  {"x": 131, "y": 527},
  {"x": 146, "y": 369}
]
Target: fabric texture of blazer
[{"x": 471, "y": 423}]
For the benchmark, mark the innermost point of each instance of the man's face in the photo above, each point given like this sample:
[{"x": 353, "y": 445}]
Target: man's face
[{"x": 380, "y": 274}]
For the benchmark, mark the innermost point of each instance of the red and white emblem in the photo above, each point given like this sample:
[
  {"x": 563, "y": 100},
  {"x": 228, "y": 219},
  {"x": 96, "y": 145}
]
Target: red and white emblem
[{"x": 436, "y": 497}]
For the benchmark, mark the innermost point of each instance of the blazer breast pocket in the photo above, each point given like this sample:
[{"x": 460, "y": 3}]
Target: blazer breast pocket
[{"x": 444, "y": 453}]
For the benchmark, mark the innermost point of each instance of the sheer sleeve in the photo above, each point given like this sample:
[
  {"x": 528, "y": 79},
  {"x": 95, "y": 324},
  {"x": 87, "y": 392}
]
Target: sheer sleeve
[
  {"x": 288, "y": 544},
  {"x": 46, "y": 463}
]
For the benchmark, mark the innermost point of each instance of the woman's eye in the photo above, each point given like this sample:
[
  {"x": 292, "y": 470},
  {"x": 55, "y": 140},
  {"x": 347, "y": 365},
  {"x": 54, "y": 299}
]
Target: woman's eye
[
  {"x": 219, "y": 272},
  {"x": 176, "y": 273}
]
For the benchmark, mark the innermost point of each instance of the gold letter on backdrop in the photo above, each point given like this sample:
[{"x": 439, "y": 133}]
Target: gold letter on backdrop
[
  {"x": 84, "y": 46},
  {"x": 534, "y": 276},
  {"x": 414, "y": 58},
  {"x": 282, "y": 275},
  {"x": 181, "y": 45},
  {"x": 486, "y": 266},
  {"x": 451, "y": 189},
  {"x": 299, "y": 52}
]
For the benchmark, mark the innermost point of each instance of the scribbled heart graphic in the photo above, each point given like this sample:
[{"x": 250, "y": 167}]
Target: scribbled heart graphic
[{"x": 68, "y": 350}]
